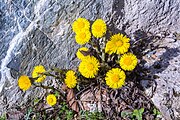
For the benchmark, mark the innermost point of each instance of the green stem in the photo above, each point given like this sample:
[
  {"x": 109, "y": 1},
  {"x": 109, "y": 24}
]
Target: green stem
[
  {"x": 50, "y": 87},
  {"x": 103, "y": 57},
  {"x": 103, "y": 50},
  {"x": 49, "y": 74}
]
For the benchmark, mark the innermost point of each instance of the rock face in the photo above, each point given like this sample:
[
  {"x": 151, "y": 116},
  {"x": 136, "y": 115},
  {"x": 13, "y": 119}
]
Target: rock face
[
  {"x": 39, "y": 32},
  {"x": 164, "y": 62}
]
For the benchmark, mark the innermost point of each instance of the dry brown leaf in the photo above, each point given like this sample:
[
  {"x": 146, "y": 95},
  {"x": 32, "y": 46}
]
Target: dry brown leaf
[
  {"x": 96, "y": 98},
  {"x": 72, "y": 101},
  {"x": 14, "y": 115},
  {"x": 64, "y": 87},
  {"x": 154, "y": 56}
]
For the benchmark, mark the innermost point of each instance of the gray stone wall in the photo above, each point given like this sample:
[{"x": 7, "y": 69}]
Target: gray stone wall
[{"x": 36, "y": 32}]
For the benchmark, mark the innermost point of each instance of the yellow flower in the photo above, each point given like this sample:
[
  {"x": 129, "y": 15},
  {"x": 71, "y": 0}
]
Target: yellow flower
[
  {"x": 115, "y": 78},
  {"x": 51, "y": 99},
  {"x": 89, "y": 67},
  {"x": 37, "y": 72},
  {"x": 99, "y": 28},
  {"x": 80, "y": 24},
  {"x": 118, "y": 44},
  {"x": 79, "y": 54},
  {"x": 24, "y": 82},
  {"x": 70, "y": 80},
  {"x": 83, "y": 37},
  {"x": 128, "y": 61}
]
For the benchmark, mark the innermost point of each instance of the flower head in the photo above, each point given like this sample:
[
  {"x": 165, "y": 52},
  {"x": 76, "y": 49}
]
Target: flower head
[
  {"x": 99, "y": 28},
  {"x": 70, "y": 80},
  {"x": 128, "y": 61},
  {"x": 80, "y": 24},
  {"x": 51, "y": 99},
  {"x": 115, "y": 78},
  {"x": 89, "y": 67},
  {"x": 24, "y": 82},
  {"x": 118, "y": 44},
  {"x": 79, "y": 54},
  {"x": 37, "y": 72},
  {"x": 83, "y": 37}
]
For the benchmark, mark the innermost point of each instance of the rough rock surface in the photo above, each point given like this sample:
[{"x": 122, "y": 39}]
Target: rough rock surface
[
  {"x": 163, "y": 63},
  {"x": 39, "y": 32}
]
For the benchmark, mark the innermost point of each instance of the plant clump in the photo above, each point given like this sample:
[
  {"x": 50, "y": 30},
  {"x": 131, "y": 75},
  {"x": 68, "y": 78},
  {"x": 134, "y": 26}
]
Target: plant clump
[{"x": 105, "y": 62}]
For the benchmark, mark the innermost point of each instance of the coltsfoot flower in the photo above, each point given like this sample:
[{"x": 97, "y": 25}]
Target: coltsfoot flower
[
  {"x": 79, "y": 54},
  {"x": 51, "y": 99},
  {"x": 128, "y": 61},
  {"x": 70, "y": 80},
  {"x": 89, "y": 67},
  {"x": 115, "y": 78},
  {"x": 99, "y": 28},
  {"x": 81, "y": 24},
  {"x": 37, "y": 72},
  {"x": 118, "y": 44},
  {"x": 24, "y": 82},
  {"x": 83, "y": 37}
]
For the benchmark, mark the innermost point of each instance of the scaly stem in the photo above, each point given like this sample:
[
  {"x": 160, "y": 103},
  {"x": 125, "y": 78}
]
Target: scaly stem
[
  {"x": 103, "y": 51},
  {"x": 50, "y": 87},
  {"x": 52, "y": 75},
  {"x": 103, "y": 57}
]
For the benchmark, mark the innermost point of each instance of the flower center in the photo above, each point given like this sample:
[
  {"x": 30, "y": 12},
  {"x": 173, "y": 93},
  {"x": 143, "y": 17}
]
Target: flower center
[
  {"x": 81, "y": 25},
  {"x": 90, "y": 66},
  {"x": 127, "y": 61},
  {"x": 26, "y": 83},
  {"x": 70, "y": 77},
  {"x": 115, "y": 78},
  {"x": 82, "y": 35},
  {"x": 98, "y": 28},
  {"x": 119, "y": 43},
  {"x": 50, "y": 100}
]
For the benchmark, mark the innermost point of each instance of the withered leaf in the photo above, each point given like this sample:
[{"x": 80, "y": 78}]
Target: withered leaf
[
  {"x": 64, "y": 87},
  {"x": 14, "y": 114},
  {"x": 73, "y": 104}
]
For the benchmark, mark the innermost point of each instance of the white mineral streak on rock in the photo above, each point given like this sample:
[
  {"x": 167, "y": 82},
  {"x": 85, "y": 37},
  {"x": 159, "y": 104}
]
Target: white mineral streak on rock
[
  {"x": 38, "y": 7},
  {"x": 17, "y": 39}
]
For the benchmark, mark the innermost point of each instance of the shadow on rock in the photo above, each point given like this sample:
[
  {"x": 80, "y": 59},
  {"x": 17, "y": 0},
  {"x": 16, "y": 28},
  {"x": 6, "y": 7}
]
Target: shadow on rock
[
  {"x": 144, "y": 45},
  {"x": 160, "y": 65}
]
